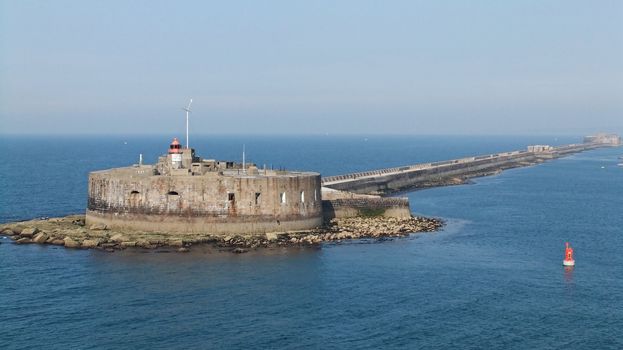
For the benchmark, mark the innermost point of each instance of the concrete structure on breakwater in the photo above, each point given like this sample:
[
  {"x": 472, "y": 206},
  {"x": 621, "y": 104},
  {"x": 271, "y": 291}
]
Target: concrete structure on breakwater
[
  {"x": 340, "y": 204},
  {"x": 385, "y": 181},
  {"x": 183, "y": 193}
]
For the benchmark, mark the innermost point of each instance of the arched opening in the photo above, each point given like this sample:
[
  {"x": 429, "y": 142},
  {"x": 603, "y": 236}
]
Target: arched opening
[{"x": 135, "y": 198}]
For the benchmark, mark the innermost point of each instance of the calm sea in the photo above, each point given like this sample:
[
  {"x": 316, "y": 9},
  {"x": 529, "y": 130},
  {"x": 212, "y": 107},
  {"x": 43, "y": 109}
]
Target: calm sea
[{"x": 492, "y": 279}]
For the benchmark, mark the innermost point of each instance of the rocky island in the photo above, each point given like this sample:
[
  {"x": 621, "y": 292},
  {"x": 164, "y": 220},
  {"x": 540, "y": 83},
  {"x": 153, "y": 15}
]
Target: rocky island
[
  {"x": 72, "y": 232},
  {"x": 184, "y": 200}
]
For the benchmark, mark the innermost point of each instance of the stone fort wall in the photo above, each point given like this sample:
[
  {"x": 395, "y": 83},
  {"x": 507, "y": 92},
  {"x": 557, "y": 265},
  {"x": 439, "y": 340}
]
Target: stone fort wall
[{"x": 212, "y": 203}]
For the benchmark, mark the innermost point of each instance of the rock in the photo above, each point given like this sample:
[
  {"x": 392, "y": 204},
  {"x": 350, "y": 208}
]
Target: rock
[
  {"x": 127, "y": 244},
  {"x": 58, "y": 242},
  {"x": 40, "y": 238},
  {"x": 90, "y": 243},
  {"x": 24, "y": 240},
  {"x": 98, "y": 227},
  {"x": 29, "y": 232},
  {"x": 71, "y": 243},
  {"x": 118, "y": 238},
  {"x": 7, "y": 232},
  {"x": 176, "y": 243},
  {"x": 145, "y": 244},
  {"x": 239, "y": 251},
  {"x": 271, "y": 236},
  {"x": 183, "y": 250},
  {"x": 79, "y": 222}
]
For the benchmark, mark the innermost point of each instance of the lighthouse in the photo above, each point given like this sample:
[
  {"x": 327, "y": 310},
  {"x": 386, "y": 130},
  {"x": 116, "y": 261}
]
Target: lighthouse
[{"x": 175, "y": 150}]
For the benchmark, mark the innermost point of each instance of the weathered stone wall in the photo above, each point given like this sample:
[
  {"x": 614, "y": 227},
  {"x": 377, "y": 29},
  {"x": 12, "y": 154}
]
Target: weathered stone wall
[
  {"x": 366, "y": 206},
  {"x": 131, "y": 198}
]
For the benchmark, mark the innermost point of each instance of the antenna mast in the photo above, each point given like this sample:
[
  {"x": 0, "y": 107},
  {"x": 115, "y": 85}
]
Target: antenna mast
[
  {"x": 187, "y": 109},
  {"x": 244, "y": 168}
]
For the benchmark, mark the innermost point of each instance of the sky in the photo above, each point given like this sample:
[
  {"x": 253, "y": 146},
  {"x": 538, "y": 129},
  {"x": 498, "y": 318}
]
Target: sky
[{"x": 311, "y": 67}]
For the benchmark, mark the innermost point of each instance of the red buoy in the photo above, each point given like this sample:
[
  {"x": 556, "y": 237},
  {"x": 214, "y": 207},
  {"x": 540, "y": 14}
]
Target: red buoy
[{"x": 568, "y": 256}]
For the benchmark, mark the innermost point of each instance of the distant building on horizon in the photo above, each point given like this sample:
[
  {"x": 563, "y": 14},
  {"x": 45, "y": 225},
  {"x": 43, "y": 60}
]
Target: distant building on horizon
[{"x": 603, "y": 138}]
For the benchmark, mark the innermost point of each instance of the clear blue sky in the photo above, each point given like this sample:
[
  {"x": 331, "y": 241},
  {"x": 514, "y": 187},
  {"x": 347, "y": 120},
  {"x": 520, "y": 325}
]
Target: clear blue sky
[{"x": 409, "y": 67}]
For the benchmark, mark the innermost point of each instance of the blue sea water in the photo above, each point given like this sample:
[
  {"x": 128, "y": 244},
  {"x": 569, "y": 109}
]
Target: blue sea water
[{"x": 492, "y": 279}]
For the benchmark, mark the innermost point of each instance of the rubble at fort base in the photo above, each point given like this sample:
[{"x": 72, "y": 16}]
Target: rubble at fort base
[{"x": 72, "y": 232}]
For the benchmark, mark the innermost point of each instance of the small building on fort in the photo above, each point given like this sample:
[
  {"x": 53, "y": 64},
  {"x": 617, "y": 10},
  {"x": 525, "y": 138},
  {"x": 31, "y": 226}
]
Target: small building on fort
[{"x": 184, "y": 193}]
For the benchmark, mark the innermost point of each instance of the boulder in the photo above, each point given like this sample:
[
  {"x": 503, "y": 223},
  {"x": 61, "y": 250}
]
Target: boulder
[
  {"x": 118, "y": 238},
  {"x": 90, "y": 243},
  {"x": 127, "y": 244},
  {"x": 271, "y": 236},
  {"x": 40, "y": 238},
  {"x": 143, "y": 243},
  {"x": 58, "y": 242},
  {"x": 29, "y": 232},
  {"x": 7, "y": 232},
  {"x": 176, "y": 243},
  {"x": 71, "y": 243},
  {"x": 24, "y": 240},
  {"x": 98, "y": 227},
  {"x": 183, "y": 250},
  {"x": 79, "y": 222},
  {"x": 239, "y": 251}
]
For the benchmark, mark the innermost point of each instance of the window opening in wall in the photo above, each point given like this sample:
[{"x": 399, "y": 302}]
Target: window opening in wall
[
  {"x": 302, "y": 196},
  {"x": 231, "y": 197},
  {"x": 135, "y": 198},
  {"x": 173, "y": 193},
  {"x": 258, "y": 198},
  {"x": 282, "y": 197},
  {"x": 315, "y": 195}
]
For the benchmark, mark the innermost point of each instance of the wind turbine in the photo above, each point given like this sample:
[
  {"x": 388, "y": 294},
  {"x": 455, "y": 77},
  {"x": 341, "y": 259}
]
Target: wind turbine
[{"x": 187, "y": 109}]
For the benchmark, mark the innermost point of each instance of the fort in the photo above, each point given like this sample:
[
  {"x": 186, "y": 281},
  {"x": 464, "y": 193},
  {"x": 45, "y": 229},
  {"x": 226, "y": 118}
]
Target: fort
[{"x": 184, "y": 193}]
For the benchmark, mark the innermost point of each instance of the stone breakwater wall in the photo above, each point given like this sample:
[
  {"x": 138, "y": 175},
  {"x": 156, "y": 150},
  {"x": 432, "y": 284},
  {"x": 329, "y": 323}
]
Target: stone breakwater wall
[
  {"x": 448, "y": 172},
  {"x": 131, "y": 199},
  {"x": 366, "y": 207}
]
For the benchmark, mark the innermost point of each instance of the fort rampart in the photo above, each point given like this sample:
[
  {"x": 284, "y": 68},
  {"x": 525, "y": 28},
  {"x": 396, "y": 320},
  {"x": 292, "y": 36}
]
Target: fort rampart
[{"x": 217, "y": 203}]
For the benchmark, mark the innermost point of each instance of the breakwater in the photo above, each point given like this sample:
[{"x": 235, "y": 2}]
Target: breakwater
[{"x": 449, "y": 172}]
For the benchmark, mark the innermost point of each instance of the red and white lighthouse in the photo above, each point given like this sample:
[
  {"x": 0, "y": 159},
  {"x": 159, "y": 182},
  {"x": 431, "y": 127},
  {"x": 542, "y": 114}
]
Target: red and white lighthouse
[{"x": 175, "y": 150}]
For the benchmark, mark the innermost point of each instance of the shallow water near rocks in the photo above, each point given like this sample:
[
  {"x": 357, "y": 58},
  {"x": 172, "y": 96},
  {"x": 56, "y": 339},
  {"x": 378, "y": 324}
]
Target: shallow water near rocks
[{"x": 493, "y": 278}]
